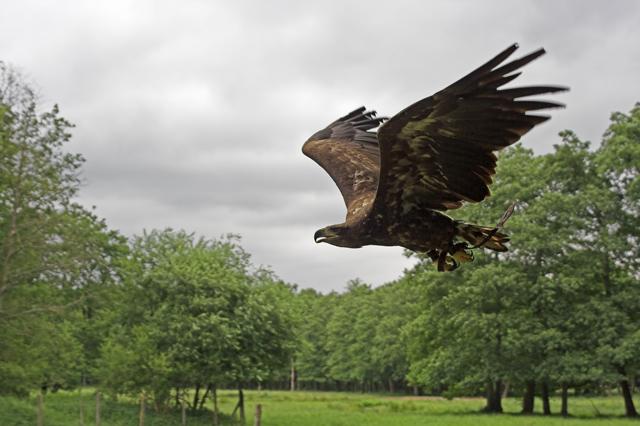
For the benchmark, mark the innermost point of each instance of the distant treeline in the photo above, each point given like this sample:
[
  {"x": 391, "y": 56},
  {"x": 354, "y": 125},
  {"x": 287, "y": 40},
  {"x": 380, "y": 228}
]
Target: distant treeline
[{"x": 166, "y": 311}]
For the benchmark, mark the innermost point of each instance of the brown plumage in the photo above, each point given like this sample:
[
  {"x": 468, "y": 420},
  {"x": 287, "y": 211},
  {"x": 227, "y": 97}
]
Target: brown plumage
[{"x": 430, "y": 157}]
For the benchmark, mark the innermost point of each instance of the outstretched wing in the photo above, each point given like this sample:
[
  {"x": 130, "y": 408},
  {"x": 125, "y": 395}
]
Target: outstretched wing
[
  {"x": 349, "y": 153},
  {"x": 438, "y": 152}
]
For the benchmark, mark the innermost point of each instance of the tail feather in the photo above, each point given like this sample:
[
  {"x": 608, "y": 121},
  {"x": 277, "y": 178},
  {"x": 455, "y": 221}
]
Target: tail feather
[{"x": 475, "y": 235}]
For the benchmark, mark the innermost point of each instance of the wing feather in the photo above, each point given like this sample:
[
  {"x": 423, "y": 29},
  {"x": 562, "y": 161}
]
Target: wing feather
[
  {"x": 349, "y": 153},
  {"x": 439, "y": 151}
]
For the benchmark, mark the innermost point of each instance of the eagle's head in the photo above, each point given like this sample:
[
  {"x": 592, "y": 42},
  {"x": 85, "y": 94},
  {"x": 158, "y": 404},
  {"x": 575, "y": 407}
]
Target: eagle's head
[{"x": 337, "y": 235}]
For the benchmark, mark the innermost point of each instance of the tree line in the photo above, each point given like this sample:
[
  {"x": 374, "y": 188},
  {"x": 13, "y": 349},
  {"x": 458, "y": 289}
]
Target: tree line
[
  {"x": 560, "y": 310},
  {"x": 166, "y": 311}
]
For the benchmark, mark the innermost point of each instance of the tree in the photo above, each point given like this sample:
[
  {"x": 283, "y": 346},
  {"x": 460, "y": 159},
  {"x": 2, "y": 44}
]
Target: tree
[
  {"x": 590, "y": 202},
  {"x": 316, "y": 311},
  {"x": 203, "y": 310},
  {"x": 566, "y": 307},
  {"x": 350, "y": 332},
  {"x": 395, "y": 305},
  {"x": 505, "y": 303},
  {"x": 47, "y": 243},
  {"x": 475, "y": 327},
  {"x": 612, "y": 242}
]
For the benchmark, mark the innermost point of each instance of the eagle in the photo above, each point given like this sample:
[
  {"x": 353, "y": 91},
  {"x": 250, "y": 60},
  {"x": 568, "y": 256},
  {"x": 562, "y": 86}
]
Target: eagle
[{"x": 429, "y": 158}]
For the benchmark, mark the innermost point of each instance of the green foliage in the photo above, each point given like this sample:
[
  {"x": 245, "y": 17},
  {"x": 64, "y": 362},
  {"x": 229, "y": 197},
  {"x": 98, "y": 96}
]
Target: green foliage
[
  {"x": 396, "y": 306},
  {"x": 54, "y": 254},
  {"x": 353, "y": 340},
  {"x": 195, "y": 312},
  {"x": 350, "y": 332},
  {"x": 315, "y": 311}
]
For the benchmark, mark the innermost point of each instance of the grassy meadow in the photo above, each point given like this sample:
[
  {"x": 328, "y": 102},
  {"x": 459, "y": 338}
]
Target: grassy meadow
[{"x": 314, "y": 408}]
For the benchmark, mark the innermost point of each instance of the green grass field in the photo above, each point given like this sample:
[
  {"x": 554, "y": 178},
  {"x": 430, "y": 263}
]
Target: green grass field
[{"x": 315, "y": 409}]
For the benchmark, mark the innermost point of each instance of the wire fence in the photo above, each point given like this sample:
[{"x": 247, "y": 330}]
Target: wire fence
[{"x": 89, "y": 411}]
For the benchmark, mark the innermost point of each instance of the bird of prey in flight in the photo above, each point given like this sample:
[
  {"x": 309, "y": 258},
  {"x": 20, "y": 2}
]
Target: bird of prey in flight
[{"x": 430, "y": 157}]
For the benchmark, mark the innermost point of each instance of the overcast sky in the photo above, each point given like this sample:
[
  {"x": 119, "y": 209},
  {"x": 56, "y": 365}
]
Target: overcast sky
[{"x": 192, "y": 114}]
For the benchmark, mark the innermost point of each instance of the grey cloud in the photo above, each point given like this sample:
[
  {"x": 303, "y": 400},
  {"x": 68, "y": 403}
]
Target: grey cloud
[{"x": 192, "y": 114}]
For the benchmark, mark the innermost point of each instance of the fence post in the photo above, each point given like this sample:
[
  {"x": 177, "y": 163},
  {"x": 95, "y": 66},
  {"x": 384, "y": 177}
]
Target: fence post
[
  {"x": 97, "y": 408},
  {"x": 184, "y": 412},
  {"x": 142, "y": 409},
  {"x": 40, "y": 410},
  {"x": 81, "y": 413},
  {"x": 215, "y": 405},
  {"x": 256, "y": 419},
  {"x": 241, "y": 403}
]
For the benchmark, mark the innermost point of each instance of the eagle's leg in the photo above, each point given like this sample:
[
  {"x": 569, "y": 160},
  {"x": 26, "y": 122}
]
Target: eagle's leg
[{"x": 462, "y": 252}]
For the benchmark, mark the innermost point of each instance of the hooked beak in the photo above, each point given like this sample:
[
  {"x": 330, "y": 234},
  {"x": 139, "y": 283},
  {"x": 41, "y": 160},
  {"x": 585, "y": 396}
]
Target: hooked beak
[{"x": 323, "y": 235}]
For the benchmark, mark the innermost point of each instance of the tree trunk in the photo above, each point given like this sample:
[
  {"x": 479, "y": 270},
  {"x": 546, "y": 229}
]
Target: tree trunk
[
  {"x": 529, "y": 397},
  {"x": 546, "y": 408},
  {"x": 505, "y": 392},
  {"x": 630, "y": 409},
  {"x": 195, "y": 399},
  {"x": 494, "y": 397},
  {"x": 205, "y": 396},
  {"x": 564, "y": 410},
  {"x": 293, "y": 375},
  {"x": 415, "y": 390},
  {"x": 390, "y": 385}
]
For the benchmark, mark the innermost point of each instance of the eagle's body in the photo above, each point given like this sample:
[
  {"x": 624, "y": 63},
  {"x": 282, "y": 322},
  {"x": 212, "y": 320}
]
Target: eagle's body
[
  {"x": 430, "y": 157},
  {"x": 361, "y": 228}
]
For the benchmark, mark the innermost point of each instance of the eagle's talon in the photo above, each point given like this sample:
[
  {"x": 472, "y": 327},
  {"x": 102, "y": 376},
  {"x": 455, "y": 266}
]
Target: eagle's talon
[
  {"x": 446, "y": 263},
  {"x": 451, "y": 264},
  {"x": 461, "y": 255}
]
